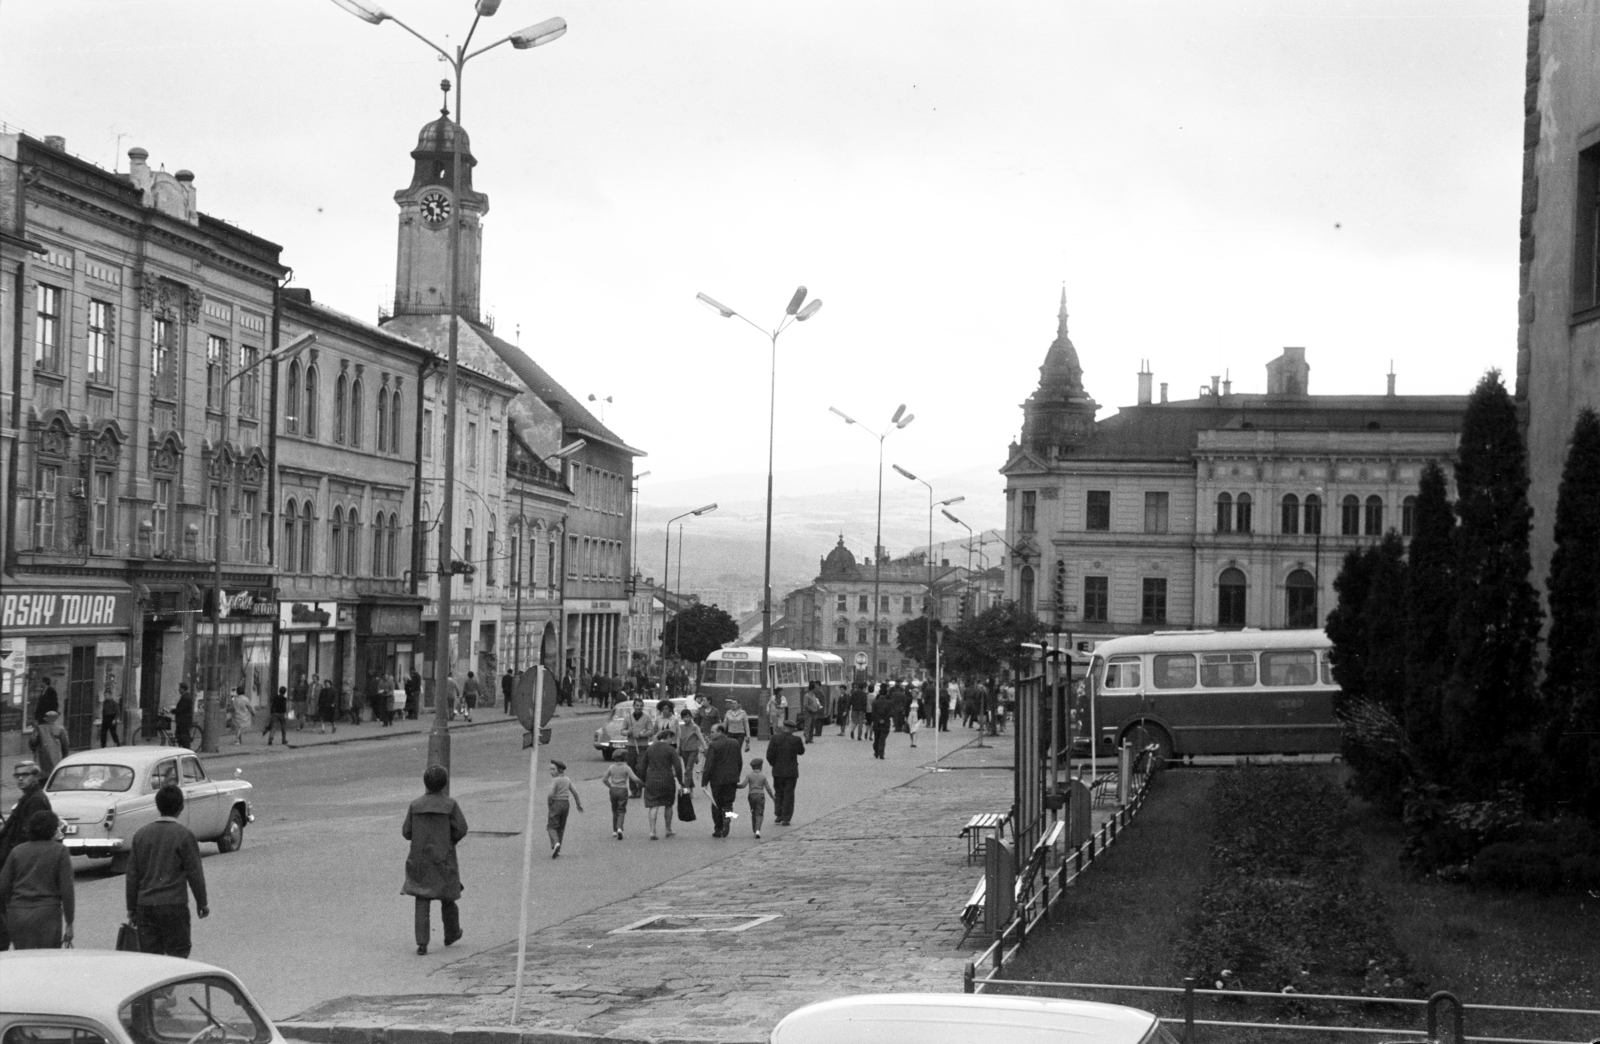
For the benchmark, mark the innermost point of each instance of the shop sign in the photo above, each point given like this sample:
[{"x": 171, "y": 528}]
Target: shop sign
[
  {"x": 394, "y": 620},
  {"x": 248, "y": 602},
  {"x": 44, "y": 611},
  {"x": 594, "y": 605},
  {"x": 307, "y": 615}
]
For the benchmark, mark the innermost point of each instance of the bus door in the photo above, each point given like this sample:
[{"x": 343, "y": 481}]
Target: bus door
[
  {"x": 1299, "y": 708},
  {"x": 1119, "y": 696}
]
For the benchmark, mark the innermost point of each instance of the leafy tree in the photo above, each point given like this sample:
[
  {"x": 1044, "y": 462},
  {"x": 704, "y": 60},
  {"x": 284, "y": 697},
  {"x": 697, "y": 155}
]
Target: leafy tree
[
  {"x": 914, "y": 641},
  {"x": 980, "y": 646},
  {"x": 1571, "y": 694},
  {"x": 1489, "y": 699},
  {"x": 1431, "y": 595},
  {"x": 699, "y": 631}
]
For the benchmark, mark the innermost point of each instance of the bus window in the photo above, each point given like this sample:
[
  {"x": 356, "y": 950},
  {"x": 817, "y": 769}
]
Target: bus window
[
  {"x": 1327, "y": 669},
  {"x": 718, "y": 672},
  {"x": 1227, "y": 670},
  {"x": 1123, "y": 673},
  {"x": 1173, "y": 671},
  {"x": 747, "y": 672},
  {"x": 1289, "y": 668}
]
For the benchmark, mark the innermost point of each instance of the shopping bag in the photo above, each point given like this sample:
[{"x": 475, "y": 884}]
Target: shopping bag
[
  {"x": 128, "y": 937},
  {"x": 686, "y": 807}
]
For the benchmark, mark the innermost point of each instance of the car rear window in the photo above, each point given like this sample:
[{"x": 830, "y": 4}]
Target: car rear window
[{"x": 117, "y": 778}]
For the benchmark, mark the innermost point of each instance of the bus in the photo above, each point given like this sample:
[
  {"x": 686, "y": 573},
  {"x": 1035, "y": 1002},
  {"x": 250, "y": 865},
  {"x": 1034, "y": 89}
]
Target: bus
[
  {"x": 736, "y": 674},
  {"x": 1215, "y": 692}
]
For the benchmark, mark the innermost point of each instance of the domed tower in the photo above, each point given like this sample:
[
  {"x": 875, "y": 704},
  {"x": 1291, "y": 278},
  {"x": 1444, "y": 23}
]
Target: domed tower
[
  {"x": 422, "y": 270},
  {"x": 1059, "y": 416},
  {"x": 840, "y": 564}
]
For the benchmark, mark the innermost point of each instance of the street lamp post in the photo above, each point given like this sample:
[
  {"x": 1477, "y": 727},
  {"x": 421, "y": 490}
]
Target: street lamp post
[
  {"x": 213, "y": 718},
  {"x": 521, "y": 553},
  {"x": 533, "y": 36},
  {"x": 798, "y": 311},
  {"x": 900, "y": 419},
  {"x": 927, "y": 632},
  {"x": 968, "y": 528},
  {"x": 666, "y": 571}
]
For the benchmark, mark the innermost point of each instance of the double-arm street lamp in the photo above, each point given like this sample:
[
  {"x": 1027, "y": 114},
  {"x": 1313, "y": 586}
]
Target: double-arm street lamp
[
  {"x": 666, "y": 566},
  {"x": 222, "y": 480},
  {"x": 900, "y": 419},
  {"x": 533, "y": 36},
  {"x": 932, "y": 600},
  {"x": 798, "y": 311}
]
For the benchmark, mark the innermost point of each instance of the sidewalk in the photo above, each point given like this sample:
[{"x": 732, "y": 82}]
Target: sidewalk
[{"x": 865, "y": 900}]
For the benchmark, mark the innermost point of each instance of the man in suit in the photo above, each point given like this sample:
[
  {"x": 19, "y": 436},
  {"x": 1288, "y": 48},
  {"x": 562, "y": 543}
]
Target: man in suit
[{"x": 723, "y": 769}]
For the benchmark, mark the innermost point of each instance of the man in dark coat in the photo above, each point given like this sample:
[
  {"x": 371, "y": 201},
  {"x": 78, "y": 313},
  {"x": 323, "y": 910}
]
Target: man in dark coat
[
  {"x": 183, "y": 715},
  {"x": 724, "y": 767},
  {"x": 163, "y": 868},
  {"x": 783, "y": 757},
  {"x": 48, "y": 701},
  {"x": 30, "y": 780},
  {"x": 508, "y": 688},
  {"x": 882, "y": 715},
  {"x": 434, "y": 825}
]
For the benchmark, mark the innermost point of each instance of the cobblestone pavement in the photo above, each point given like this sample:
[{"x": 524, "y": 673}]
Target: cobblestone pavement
[{"x": 865, "y": 900}]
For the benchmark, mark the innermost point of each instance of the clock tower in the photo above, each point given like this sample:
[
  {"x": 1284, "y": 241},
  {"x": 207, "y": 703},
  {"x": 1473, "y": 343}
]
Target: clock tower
[{"x": 422, "y": 269}]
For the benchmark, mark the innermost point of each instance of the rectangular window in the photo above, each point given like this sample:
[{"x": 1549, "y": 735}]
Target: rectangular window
[
  {"x": 47, "y": 328},
  {"x": 161, "y": 516},
  {"x": 216, "y": 353},
  {"x": 1154, "y": 605},
  {"x": 1155, "y": 512},
  {"x": 104, "y": 521},
  {"x": 861, "y": 634},
  {"x": 488, "y": 559},
  {"x": 572, "y": 558},
  {"x": 1097, "y": 511},
  {"x": 1173, "y": 670},
  {"x": 1586, "y": 215},
  {"x": 839, "y": 635},
  {"x": 842, "y": 604},
  {"x": 862, "y": 605},
  {"x": 1096, "y": 599},
  {"x": 99, "y": 343},
  {"x": 1408, "y": 517},
  {"x": 247, "y": 526},
  {"x": 472, "y": 445},
  {"x": 427, "y": 433},
  {"x": 494, "y": 449},
  {"x": 249, "y": 381},
  {"x": 213, "y": 505},
  {"x": 466, "y": 552},
  {"x": 883, "y": 603},
  {"x": 905, "y": 606},
  {"x": 45, "y": 506},
  {"x": 1030, "y": 511},
  {"x": 1227, "y": 670},
  {"x": 1289, "y": 668},
  {"x": 163, "y": 363}
]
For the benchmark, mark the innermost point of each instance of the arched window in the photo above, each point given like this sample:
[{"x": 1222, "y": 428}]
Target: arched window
[
  {"x": 1025, "y": 588},
  {"x": 1350, "y": 516},
  {"x": 1291, "y": 514},
  {"x": 1300, "y": 592},
  {"x": 1242, "y": 512},
  {"x": 394, "y": 420},
  {"x": 290, "y": 558},
  {"x": 382, "y": 443},
  {"x": 308, "y": 538},
  {"x": 336, "y": 543},
  {"x": 550, "y": 564},
  {"x": 1313, "y": 514},
  {"x": 1224, "y": 513},
  {"x": 1408, "y": 517},
  {"x": 841, "y": 632},
  {"x": 514, "y": 576},
  {"x": 1230, "y": 598},
  {"x": 393, "y": 539},
  {"x": 490, "y": 566},
  {"x": 861, "y": 634},
  {"x": 341, "y": 389},
  {"x": 291, "y": 400},
  {"x": 1374, "y": 516},
  {"x": 353, "y": 543},
  {"x": 355, "y": 412},
  {"x": 466, "y": 542},
  {"x": 377, "y": 546},
  {"x": 310, "y": 418}
]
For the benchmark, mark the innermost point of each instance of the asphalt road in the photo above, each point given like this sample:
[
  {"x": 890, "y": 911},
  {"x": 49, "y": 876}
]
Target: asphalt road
[{"x": 310, "y": 909}]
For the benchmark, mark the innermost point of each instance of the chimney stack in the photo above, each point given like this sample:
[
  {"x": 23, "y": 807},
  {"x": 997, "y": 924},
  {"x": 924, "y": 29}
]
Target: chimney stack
[
  {"x": 1391, "y": 376},
  {"x": 1216, "y": 382},
  {"x": 1227, "y": 383},
  {"x": 1145, "y": 377},
  {"x": 1163, "y": 391},
  {"x": 56, "y": 142}
]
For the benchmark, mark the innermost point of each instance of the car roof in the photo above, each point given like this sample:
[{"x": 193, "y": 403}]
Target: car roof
[
  {"x": 89, "y": 984},
  {"x": 132, "y": 757},
  {"x": 934, "y": 1017}
]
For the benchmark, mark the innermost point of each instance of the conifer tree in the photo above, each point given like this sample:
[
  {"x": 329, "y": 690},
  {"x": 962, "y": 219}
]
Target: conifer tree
[
  {"x": 1431, "y": 594},
  {"x": 1345, "y": 626},
  {"x": 1386, "y": 625},
  {"x": 1489, "y": 706},
  {"x": 1571, "y": 687}
]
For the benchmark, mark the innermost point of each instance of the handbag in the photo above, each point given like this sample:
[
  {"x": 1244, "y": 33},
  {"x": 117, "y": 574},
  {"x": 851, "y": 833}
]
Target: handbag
[
  {"x": 686, "y": 807},
  {"x": 128, "y": 937}
]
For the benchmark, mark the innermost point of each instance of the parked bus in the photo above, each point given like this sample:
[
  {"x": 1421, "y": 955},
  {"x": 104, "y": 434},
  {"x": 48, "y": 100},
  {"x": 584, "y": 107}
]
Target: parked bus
[
  {"x": 1215, "y": 692},
  {"x": 736, "y": 674}
]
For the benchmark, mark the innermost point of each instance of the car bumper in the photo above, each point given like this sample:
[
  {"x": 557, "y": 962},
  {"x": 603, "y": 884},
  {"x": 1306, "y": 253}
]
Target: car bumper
[
  {"x": 94, "y": 847},
  {"x": 611, "y": 745}
]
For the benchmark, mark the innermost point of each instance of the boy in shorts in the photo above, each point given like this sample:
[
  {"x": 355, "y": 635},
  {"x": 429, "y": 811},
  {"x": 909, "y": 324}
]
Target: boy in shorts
[
  {"x": 760, "y": 787},
  {"x": 562, "y": 798},
  {"x": 619, "y": 779}
]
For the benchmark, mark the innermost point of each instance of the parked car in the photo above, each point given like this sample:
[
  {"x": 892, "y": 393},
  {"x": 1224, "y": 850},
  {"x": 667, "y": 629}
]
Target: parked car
[
  {"x": 966, "y": 1018},
  {"x": 106, "y": 997},
  {"x": 104, "y": 796},
  {"x": 610, "y": 739}
]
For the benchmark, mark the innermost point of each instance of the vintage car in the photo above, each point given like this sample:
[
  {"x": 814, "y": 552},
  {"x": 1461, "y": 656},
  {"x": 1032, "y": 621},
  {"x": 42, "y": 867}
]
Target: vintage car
[
  {"x": 966, "y": 1018},
  {"x": 106, "y": 997},
  {"x": 610, "y": 739},
  {"x": 103, "y": 796}
]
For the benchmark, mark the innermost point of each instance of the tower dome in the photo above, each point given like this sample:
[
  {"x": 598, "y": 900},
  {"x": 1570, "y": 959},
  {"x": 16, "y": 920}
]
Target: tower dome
[
  {"x": 436, "y": 144},
  {"x": 1059, "y": 416},
  {"x": 840, "y": 564}
]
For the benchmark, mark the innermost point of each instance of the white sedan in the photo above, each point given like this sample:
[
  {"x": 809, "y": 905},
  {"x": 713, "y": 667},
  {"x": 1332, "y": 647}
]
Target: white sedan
[{"x": 104, "y": 796}]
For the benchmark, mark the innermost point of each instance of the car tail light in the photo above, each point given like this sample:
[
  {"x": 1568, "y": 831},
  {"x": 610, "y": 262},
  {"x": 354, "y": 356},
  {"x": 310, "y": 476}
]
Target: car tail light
[{"x": 111, "y": 817}]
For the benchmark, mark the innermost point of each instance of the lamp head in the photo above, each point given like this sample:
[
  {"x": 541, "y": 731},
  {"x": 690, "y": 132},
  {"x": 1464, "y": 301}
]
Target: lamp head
[
  {"x": 642, "y": 474},
  {"x": 952, "y": 518},
  {"x": 796, "y": 301},
  {"x": 907, "y": 419},
  {"x": 904, "y": 472},
  {"x": 547, "y": 31},
  {"x": 365, "y": 10},
  {"x": 288, "y": 351},
  {"x": 842, "y": 415},
  {"x": 705, "y": 510},
  {"x": 716, "y": 306},
  {"x": 900, "y": 411},
  {"x": 809, "y": 310},
  {"x": 569, "y": 449},
  {"x": 954, "y": 500},
  {"x": 487, "y": 8}
]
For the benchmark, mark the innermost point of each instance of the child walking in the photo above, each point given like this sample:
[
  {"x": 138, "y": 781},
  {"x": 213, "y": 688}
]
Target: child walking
[
  {"x": 562, "y": 798},
  {"x": 760, "y": 787},
  {"x": 619, "y": 780},
  {"x": 914, "y": 719}
]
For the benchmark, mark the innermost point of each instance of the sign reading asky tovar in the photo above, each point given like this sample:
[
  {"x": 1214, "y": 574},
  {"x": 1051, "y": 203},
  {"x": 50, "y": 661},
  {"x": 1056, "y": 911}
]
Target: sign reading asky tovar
[{"x": 56, "y": 611}]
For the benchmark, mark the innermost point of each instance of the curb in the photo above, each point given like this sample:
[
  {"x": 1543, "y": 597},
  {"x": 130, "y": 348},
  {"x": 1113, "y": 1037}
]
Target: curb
[
  {"x": 407, "y": 1033},
  {"x": 238, "y": 751}
]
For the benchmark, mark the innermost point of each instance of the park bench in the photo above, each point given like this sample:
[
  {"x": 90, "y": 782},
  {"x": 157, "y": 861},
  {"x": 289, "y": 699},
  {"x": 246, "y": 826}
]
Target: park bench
[
  {"x": 1038, "y": 859},
  {"x": 979, "y": 827}
]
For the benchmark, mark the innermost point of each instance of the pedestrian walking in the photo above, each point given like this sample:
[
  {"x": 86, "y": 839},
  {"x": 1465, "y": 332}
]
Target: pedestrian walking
[
  {"x": 241, "y": 715},
  {"x": 899, "y": 701},
  {"x": 737, "y": 723},
  {"x": 508, "y": 688},
  {"x": 811, "y": 709},
  {"x": 775, "y": 711},
  {"x": 413, "y": 694},
  {"x": 36, "y": 888},
  {"x": 663, "y": 779},
  {"x": 301, "y": 699},
  {"x": 327, "y": 709},
  {"x": 914, "y": 718},
  {"x": 638, "y": 728},
  {"x": 30, "y": 780},
  {"x": 435, "y": 826},
  {"x": 691, "y": 742},
  {"x": 620, "y": 781},
  {"x": 859, "y": 703},
  {"x": 277, "y": 712},
  {"x": 386, "y": 703},
  {"x": 49, "y": 742},
  {"x": 760, "y": 788},
  {"x": 950, "y": 704},
  {"x": 882, "y": 713},
  {"x": 183, "y": 715},
  {"x": 452, "y": 696},
  {"x": 721, "y": 778},
  {"x": 163, "y": 868},
  {"x": 783, "y": 755},
  {"x": 110, "y": 714},
  {"x": 471, "y": 693},
  {"x": 563, "y": 798}
]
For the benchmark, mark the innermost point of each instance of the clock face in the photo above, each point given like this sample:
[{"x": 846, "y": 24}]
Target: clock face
[{"x": 435, "y": 208}]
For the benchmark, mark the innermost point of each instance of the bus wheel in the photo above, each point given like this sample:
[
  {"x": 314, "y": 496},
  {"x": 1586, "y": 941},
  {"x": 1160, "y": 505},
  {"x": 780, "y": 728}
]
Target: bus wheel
[{"x": 1144, "y": 736}]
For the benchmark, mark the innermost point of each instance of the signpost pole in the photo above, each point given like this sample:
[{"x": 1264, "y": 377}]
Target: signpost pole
[{"x": 527, "y": 837}]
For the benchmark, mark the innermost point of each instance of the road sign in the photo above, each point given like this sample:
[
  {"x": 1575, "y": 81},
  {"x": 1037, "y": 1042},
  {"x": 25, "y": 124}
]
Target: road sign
[{"x": 861, "y": 659}]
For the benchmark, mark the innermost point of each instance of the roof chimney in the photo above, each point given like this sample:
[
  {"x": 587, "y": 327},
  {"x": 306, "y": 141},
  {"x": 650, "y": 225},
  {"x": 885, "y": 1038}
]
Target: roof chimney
[
  {"x": 1391, "y": 376},
  {"x": 1163, "y": 391},
  {"x": 1216, "y": 382},
  {"x": 56, "y": 142},
  {"x": 1227, "y": 384},
  {"x": 1145, "y": 377}
]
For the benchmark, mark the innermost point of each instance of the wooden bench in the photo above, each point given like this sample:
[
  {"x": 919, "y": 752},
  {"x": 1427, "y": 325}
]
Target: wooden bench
[
  {"x": 979, "y": 827},
  {"x": 972, "y": 914},
  {"x": 1037, "y": 862},
  {"x": 1053, "y": 836}
]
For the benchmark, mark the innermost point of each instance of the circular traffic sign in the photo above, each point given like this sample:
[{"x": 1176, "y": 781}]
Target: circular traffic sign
[{"x": 861, "y": 659}]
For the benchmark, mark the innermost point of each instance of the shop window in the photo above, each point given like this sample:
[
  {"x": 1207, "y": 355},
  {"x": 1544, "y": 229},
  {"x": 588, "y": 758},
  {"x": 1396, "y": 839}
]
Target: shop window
[
  {"x": 1097, "y": 511},
  {"x": 1242, "y": 508},
  {"x": 1291, "y": 514},
  {"x": 1096, "y": 599},
  {"x": 98, "y": 345},
  {"x": 1224, "y": 512},
  {"x": 1155, "y": 512},
  {"x": 47, "y": 328},
  {"x": 1153, "y": 608},
  {"x": 1231, "y": 598},
  {"x": 1300, "y": 598},
  {"x": 249, "y": 380},
  {"x": 46, "y": 506},
  {"x": 1374, "y": 516},
  {"x": 1350, "y": 516}
]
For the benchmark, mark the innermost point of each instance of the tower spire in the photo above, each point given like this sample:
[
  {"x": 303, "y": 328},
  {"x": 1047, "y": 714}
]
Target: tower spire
[{"x": 1061, "y": 317}]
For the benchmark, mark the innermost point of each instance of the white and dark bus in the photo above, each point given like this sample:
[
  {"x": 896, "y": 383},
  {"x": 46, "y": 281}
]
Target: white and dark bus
[{"x": 736, "y": 674}]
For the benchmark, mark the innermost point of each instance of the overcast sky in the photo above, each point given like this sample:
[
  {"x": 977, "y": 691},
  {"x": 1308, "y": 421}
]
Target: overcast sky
[{"x": 1210, "y": 181}]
